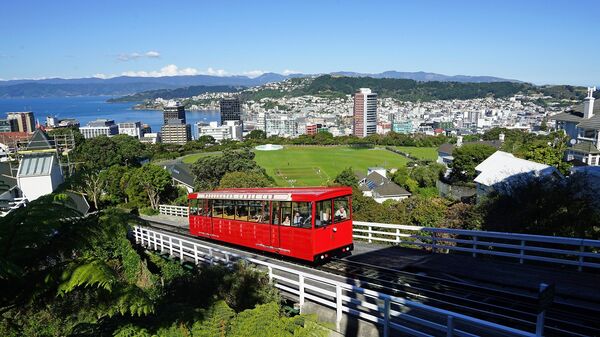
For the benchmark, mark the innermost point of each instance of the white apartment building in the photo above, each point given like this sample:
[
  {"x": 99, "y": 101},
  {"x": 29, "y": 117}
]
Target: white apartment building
[
  {"x": 230, "y": 130},
  {"x": 281, "y": 125},
  {"x": 133, "y": 129},
  {"x": 99, "y": 127},
  {"x": 150, "y": 138}
]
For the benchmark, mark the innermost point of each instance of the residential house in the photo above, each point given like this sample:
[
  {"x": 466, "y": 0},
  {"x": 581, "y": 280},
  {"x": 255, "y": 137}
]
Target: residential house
[
  {"x": 499, "y": 170},
  {"x": 446, "y": 150},
  {"x": 582, "y": 125},
  {"x": 181, "y": 176},
  {"x": 376, "y": 185}
]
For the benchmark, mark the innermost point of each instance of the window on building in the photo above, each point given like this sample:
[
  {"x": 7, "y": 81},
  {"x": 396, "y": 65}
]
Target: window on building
[
  {"x": 228, "y": 209},
  {"x": 241, "y": 210},
  {"x": 341, "y": 209},
  {"x": 217, "y": 208},
  {"x": 302, "y": 214},
  {"x": 323, "y": 216}
]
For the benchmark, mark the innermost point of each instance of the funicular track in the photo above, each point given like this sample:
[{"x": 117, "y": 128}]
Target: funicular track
[{"x": 511, "y": 308}]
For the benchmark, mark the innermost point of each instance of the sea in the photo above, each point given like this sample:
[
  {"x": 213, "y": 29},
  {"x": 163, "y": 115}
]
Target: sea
[{"x": 89, "y": 108}]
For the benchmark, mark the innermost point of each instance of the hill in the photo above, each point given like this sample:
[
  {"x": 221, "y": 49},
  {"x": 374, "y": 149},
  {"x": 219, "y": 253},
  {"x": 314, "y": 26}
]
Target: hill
[
  {"x": 425, "y": 77},
  {"x": 174, "y": 93}
]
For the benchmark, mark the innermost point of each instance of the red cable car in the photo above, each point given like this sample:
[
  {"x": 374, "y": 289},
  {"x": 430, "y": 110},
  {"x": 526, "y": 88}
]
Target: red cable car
[{"x": 311, "y": 223}]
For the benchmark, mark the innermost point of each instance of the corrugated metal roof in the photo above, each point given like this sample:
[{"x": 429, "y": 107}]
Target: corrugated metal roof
[{"x": 36, "y": 165}]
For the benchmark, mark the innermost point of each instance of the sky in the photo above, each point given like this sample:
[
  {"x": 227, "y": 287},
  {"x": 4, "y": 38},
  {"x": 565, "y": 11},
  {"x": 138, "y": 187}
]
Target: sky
[{"x": 543, "y": 42}]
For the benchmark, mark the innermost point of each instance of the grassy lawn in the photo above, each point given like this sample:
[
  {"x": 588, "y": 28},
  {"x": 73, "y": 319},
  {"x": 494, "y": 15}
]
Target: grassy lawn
[
  {"x": 426, "y": 153},
  {"x": 191, "y": 158},
  {"x": 315, "y": 165}
]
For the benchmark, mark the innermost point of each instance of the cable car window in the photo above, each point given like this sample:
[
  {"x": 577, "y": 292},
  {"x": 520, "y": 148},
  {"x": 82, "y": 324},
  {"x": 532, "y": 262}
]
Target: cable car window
[
  {"x": 194, "y": 206},
  {"x": 228, "y": 209},
  {"x": 217, "y": 208},
  {"x": 323, "y": 216},
  {"x": 341, "y": 209},
  {"x": 241, "y": 210},
  {"x": 206, "y": 208},
  {"x": 254, "y": 211},
  {"x": 302, "y": 214},
  {"x": 286, "y": 213},
  {"x": 276, "y": 213},
  {"x": 266, "y": 212}
]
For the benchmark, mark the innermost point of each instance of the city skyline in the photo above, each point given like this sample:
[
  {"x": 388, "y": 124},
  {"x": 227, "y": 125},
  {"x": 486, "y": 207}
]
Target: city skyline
[{"x": 529, "y": 41}]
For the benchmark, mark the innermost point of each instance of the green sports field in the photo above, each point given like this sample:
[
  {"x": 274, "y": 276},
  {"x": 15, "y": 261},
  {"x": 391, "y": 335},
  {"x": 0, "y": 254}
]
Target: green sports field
[
  {"x": 426, "y": 153},
  {"x": 191, "y": 158},
  {"x": 318, "y": 165}
]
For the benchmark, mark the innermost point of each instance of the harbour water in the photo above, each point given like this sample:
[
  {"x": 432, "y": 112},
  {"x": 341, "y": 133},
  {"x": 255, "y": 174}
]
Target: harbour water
[{"x": 88, "y": 108}]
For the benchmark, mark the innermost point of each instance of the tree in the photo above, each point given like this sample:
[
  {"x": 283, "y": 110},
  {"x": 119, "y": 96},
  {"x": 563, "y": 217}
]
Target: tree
[
  {"x": 154, "y": 180},
  {"x": 346, "y": 178},
  {"x": 256, "y": 134},
  {"x": 131, "y": 151},
  {"x": 92, "y": 185},
  {"x": 466, "y": 158},
  {"x": 244, "y": 180},
  {"x": 98, "y": 153},
  {"x": 210, "y": 170},
  {"x": 549, "y": 152},
  {"x": 114, "y": 191}
]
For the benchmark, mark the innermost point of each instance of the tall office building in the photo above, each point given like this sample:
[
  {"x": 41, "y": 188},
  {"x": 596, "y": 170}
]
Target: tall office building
[
  {"x": 8, "y": 125},
  {"x": 365, "y": 113},
  {"x": 24, "y": 121},
  {"x": 175, "y": 130},
  {"x": 174, "y": 113},
  {"x": 230, "y": 110}
]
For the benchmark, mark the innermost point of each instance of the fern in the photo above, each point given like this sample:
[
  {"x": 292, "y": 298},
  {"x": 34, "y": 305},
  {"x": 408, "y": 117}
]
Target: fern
[
  {"x": 216, "y": 321},
  {"x": 93, "y": 273}
]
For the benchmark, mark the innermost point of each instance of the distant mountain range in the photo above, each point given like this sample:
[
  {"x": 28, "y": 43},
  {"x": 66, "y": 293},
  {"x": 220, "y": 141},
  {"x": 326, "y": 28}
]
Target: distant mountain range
[
  {"x": 126, "y": 85},
  {"x": 425, "y": 77}
]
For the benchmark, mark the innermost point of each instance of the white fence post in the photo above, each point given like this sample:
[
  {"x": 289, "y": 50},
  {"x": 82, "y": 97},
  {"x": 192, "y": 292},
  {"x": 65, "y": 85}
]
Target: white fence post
[
  {"x": 386, "y": 317},
  {"x": 522, "y": 252},
  {"x": 397, "y": 235},
  {"x": 450, "y": 326},
  {"x": 180, "y": 251},
  {"x": 475, "y": 239},
  {"x": 270, "y": 274},
  {"x": 370, "y": 234},
  {"x": 195, "y": 254},
  {"x": 301, "y": 291},
  {"x": 580, "y": 260},
  {"x": 170, "y": 246},
  {"x": 338, "y": 306}
]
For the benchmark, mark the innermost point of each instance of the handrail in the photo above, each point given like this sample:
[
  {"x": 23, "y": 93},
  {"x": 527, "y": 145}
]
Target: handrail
[
  {"x": 524, "y": 247},
  {"x": 379, "y": 308}
]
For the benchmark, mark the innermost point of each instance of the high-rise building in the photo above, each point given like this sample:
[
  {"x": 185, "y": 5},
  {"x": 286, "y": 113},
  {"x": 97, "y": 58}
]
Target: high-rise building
[
  {"x": 230, "y": 110},
  {"x": 365, "y": 113},
  {"x": 24, "y": 121},
  {"x": 174, "y": 113},
  {"x": 176, "y": 133},
  {"x": 175, "y": 130}
]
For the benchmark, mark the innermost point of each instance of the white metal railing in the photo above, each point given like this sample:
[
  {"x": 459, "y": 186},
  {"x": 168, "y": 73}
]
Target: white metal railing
[
  {"x": 551, "y": 249},
  {"x": 393, "y": 313},
  {"x": 548, "y": 249},
  {"x": 173, "y": 210}
]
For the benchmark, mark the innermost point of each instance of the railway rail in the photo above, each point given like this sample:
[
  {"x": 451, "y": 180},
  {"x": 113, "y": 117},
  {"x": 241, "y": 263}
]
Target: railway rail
[{"x": 515, "y": 307}]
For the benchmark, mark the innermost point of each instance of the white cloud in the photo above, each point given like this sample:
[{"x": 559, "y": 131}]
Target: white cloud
[
  {"x": 214, "y": 72},
  {"x": 288, "y": 72},
  {"x": 169, "y": 70},
  {"x": 253, "y": 73},
  {"x": 152, "y": 54},
  {"x": 103, "y": 76},
  {"x": 124, "y": 57}
]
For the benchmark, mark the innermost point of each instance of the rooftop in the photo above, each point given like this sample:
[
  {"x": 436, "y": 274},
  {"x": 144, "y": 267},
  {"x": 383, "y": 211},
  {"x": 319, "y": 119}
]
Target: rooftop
[{"x": 502, "y": 165}]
